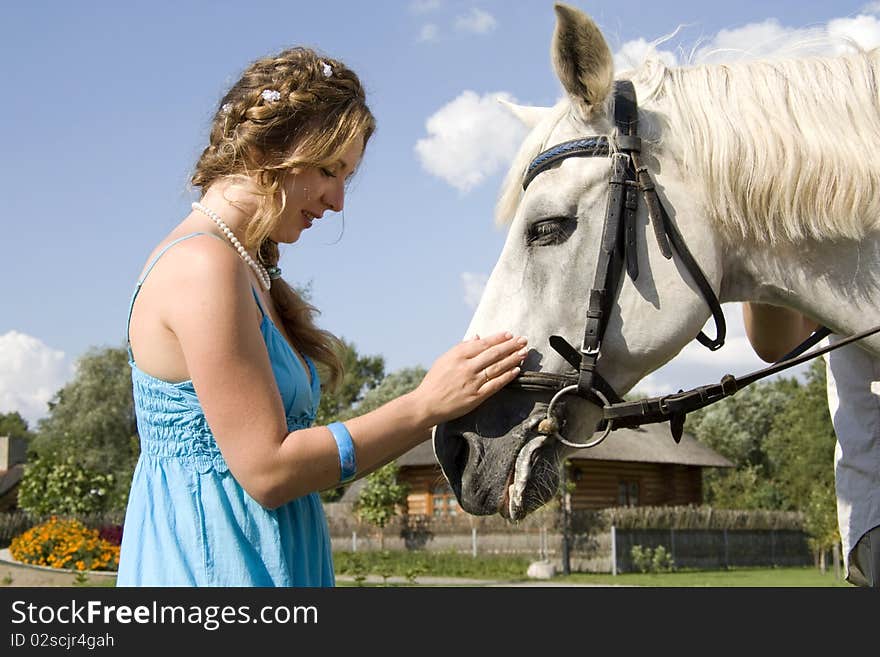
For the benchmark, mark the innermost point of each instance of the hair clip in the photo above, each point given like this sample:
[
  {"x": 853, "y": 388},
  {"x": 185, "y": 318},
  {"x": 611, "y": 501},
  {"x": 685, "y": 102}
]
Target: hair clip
[
  {"x": 274, "y": 272},
  {"x": 270, "y": 95},
  {"x": 328, "y": 70},
  {"x": 225, "y": 108}
]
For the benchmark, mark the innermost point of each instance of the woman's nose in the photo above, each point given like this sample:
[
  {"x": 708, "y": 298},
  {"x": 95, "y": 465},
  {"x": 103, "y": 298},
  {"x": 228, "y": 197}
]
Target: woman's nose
[{"x": 334, "y": 197}]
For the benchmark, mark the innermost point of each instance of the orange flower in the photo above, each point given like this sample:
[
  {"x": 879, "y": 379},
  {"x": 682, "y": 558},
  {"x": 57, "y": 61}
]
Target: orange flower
[{"x": 63, "y": 543}]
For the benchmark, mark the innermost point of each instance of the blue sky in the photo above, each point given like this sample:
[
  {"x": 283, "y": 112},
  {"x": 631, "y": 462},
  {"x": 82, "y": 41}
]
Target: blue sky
[{"x": 106, "y": 107}]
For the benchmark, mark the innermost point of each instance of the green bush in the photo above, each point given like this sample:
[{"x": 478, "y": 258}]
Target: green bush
[
  {"x": 412, "y": 564},
  {"x": 66, "y": 488},
  {"x": 662, "y": 562},
  {"x": 648, "y": 560}
]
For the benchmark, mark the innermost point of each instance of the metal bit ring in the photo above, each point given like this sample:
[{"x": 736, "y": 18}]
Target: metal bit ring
[{"x": 567, "y": 391}]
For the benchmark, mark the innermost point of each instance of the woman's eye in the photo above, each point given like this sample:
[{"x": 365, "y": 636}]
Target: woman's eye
[
  {"x": 328, "y": 173},
  {"x": 551, "y": 231}
]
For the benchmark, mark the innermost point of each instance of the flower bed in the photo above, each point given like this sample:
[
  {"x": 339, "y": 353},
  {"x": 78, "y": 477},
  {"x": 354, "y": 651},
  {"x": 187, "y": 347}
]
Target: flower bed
[{"x": 65, "y": 544}]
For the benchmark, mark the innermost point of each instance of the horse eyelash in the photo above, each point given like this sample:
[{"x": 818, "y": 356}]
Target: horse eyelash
[{"x": 548, "y": 232}]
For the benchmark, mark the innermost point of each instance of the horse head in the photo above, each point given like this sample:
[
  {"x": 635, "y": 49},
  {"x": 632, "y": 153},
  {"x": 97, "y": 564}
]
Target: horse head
[{"x": 498, "y": 459}]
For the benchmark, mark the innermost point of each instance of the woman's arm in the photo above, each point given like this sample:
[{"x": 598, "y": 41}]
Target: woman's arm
[
  {"x": 773, "y": 331},
  {"x": 212, "y": 314}
]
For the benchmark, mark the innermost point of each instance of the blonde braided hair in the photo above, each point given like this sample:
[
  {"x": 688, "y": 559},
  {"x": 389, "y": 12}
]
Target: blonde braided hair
[{"x": 319, "y": 112}]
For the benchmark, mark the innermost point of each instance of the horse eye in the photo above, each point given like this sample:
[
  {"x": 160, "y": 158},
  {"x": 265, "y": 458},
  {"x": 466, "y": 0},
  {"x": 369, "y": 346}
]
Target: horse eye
[{"x": 551, "y": 231}]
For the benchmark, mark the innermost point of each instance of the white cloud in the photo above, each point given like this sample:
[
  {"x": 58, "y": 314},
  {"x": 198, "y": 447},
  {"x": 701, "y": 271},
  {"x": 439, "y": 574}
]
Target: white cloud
[
  {"x": 767, "y": 39},
  {"x": 30, "y": 374},
  {"x": 863, "y": 30},
  {"x": 476, "y": 21},
  {"x": 424, "y": 6},
  {"x": 469, "y": 139},
  {"x": 632, "y": 54},
  {"x": 428, "y": 32},
  {"x": 770, "y": 39},
  {"x": 473, "y": 284}
]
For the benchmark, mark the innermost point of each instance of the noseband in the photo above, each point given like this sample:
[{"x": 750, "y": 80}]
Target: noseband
[{"x": 618, "y": 251}]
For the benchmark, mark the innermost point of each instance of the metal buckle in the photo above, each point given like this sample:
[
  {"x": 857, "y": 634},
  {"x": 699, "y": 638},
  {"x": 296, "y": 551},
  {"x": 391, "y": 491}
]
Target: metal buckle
[{"x": 592, "y": 351}]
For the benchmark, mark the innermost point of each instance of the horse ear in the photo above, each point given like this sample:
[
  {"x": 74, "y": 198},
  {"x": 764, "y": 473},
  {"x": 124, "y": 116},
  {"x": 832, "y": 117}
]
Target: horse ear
[
  {"x": 581, "y": 58},
  {"x": 530, "y": 116}
]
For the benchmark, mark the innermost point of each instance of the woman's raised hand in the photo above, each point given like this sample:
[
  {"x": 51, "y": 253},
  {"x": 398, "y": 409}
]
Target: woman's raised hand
[{"x": 468, "y": 374}]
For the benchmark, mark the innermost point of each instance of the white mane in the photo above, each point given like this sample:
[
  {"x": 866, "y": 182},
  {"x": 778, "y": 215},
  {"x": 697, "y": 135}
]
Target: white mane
[{"x": 781, "y": 150}]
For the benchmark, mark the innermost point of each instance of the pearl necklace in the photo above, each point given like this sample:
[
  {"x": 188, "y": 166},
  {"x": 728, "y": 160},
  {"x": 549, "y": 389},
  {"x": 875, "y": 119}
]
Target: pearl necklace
[{"x": 259, "y": 270}]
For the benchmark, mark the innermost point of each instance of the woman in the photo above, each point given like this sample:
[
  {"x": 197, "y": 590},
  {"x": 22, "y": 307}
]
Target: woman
[{"x": 228, "y": 364}]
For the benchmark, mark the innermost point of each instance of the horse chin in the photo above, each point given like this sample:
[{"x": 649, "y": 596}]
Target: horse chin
[
  {"x": 494, "y": 458},
  {"x": 533, "y": 480}
]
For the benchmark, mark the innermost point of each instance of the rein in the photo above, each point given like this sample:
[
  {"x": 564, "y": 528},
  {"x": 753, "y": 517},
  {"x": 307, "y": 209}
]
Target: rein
[{"x": 628, "y": 178}]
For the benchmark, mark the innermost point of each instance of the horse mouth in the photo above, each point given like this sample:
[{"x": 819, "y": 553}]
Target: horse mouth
[
  {"x": 533, "y": 479},
  {"x": 496, "y": 461}
]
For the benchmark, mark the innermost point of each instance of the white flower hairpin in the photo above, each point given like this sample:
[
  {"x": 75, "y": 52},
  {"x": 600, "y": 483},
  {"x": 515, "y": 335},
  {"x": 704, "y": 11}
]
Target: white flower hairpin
[
  {"x": 328, "y": 70},
  {"x": 270, "y": 95},
  {"x": 226, "y": 108}
]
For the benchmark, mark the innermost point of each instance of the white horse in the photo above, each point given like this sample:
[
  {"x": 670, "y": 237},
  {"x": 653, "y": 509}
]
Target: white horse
[{"x": 770, "y": 171}]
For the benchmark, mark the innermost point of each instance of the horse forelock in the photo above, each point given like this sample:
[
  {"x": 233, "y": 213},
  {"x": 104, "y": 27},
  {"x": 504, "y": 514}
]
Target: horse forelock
[{"x": 781, "y": 150}]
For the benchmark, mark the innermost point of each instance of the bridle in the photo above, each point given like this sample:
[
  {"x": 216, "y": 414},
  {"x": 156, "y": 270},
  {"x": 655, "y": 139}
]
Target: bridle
[{"x": 618, "y": 252}]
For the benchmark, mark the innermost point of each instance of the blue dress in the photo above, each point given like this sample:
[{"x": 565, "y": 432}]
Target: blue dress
[{"x": 188, "y": 521}]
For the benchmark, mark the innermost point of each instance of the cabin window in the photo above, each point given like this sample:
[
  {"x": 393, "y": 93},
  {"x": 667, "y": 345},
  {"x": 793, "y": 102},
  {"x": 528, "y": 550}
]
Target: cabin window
[
  {"x": 443, "y": 502},
  {"x": 627, "y": 493}
]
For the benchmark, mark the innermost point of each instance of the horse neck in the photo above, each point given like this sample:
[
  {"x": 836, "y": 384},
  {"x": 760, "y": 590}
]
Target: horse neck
[{"x": 833, "y": 282}]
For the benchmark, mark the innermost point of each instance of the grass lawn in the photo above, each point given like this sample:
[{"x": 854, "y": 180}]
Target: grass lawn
[
  {"x": 744, "y": 577},
  {"x": 750, "y": 577},
  {"x": 415, "y": 566},
  {"x": 407, "y": 568}
]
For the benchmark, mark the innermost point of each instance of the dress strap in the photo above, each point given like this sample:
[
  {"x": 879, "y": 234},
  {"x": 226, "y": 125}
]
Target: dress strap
[
  {"x": 259, "y": 303},
  {"x": 147, "y": 271}
]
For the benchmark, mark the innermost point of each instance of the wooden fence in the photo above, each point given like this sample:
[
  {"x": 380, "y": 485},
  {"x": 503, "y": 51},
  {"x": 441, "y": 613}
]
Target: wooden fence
[{"x": 592, "y": 546}]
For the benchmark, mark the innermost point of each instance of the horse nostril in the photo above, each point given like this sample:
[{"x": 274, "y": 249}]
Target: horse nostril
[{"x": 460, "y": 455}]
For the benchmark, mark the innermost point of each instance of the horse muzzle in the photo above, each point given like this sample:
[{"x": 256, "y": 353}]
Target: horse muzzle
[{"x": 495, "y": 455}]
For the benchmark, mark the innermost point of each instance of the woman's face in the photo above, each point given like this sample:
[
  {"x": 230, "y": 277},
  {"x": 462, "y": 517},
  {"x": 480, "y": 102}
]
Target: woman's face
[{"x": 312, "y": 191}]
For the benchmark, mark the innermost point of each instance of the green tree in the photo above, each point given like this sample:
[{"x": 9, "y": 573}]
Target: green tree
[
  {"x": 14, "y": 425},
  {"x": 362, "y": 373},
  {"x": 800, "y": 447},
  {"x": 380, "y": 498},
  {"x": 736, "y": 428},
  {"x": 392, "y": 386},
  {"x": 820, "y": 522},
  {"x": 88, "y": 442},
  {"x": 382, "y": 495}
]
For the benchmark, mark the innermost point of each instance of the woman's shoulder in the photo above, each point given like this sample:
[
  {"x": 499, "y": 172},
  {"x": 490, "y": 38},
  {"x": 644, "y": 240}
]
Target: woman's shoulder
[{"x": 192, "y": 256}]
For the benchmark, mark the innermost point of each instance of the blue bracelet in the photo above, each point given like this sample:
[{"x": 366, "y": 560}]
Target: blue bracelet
[{"x": 347, "y": 463}]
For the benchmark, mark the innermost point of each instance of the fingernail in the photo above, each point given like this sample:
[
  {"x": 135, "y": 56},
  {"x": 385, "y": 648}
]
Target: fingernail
[
  {"x": 522, "y": 340},
  {"x": 508, "y": 335},
  {"x": 515, "y": 370},
  {"x": 522, "y": 352}
]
